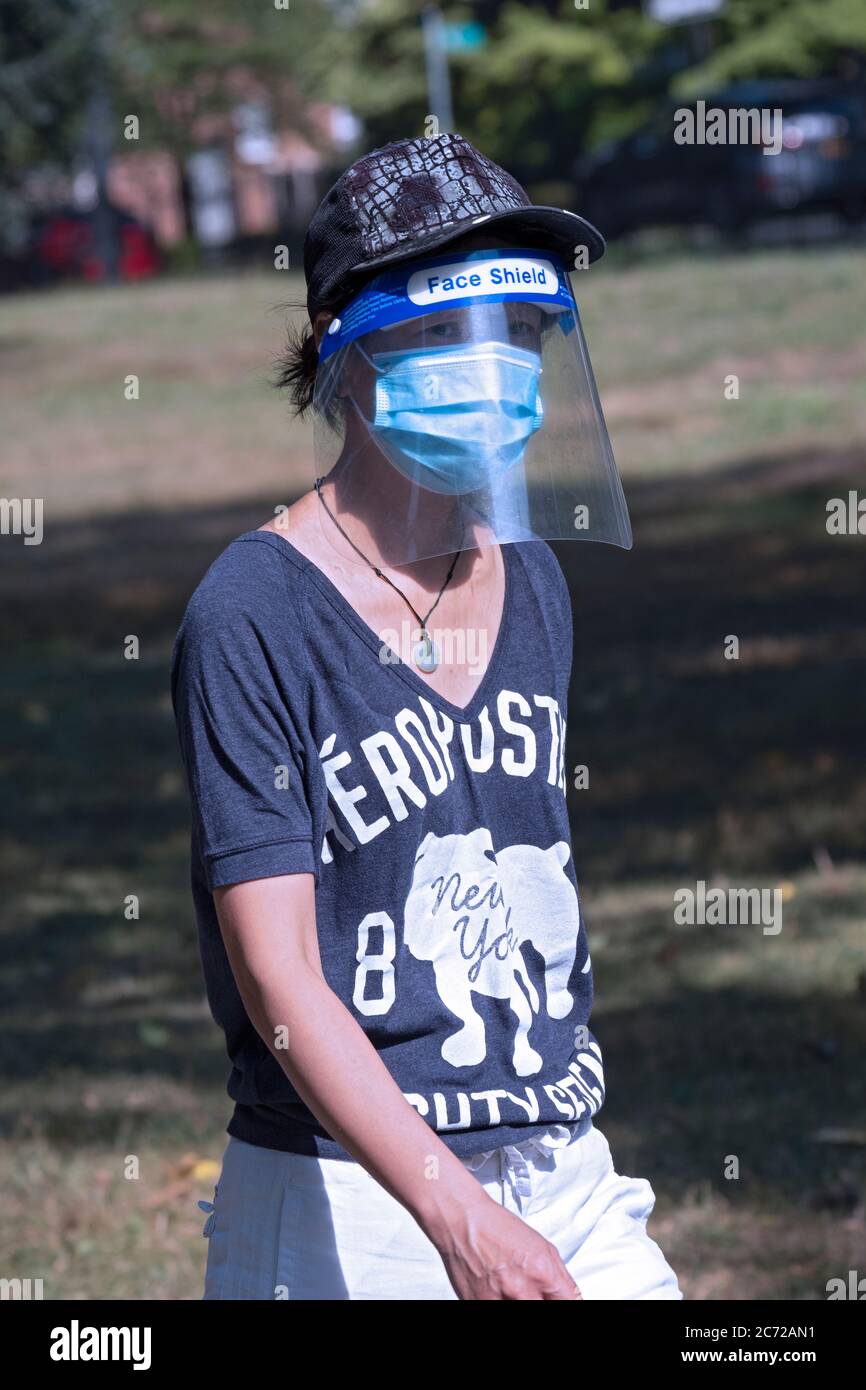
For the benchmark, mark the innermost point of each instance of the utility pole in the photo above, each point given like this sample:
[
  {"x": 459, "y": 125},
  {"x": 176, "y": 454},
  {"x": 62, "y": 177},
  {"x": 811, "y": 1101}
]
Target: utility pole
[
  {"x": 99, "y": 146},
  {"x": 436, "y": 59}
]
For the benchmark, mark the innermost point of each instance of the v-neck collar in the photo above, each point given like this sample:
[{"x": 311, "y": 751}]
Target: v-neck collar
[{"x": 460, "y": 714}]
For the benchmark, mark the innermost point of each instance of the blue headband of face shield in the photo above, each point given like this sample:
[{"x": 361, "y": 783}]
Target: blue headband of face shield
[{"x": 454, "y": 418}]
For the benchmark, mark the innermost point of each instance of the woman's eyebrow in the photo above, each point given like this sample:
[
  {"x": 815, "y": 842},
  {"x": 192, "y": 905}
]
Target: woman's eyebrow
[{"x": 523, "y": 306}]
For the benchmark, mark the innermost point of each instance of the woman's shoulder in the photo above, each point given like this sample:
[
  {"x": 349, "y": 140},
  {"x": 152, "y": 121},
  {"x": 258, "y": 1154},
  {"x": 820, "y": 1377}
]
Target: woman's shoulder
[
  {"x": 255, "y": 586},
  {"x": 545, "y": 573},
  {"x": 257, "y": 569}
]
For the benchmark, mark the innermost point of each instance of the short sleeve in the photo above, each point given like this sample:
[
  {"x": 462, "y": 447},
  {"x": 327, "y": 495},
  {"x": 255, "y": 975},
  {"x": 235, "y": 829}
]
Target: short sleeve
[
  {"x": 237, "y": 730},
  {"x": 557, "y": 603}
]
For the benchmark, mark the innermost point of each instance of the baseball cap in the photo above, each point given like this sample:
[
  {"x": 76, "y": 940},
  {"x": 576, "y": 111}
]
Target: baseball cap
[{"x": 412, "y": 196}]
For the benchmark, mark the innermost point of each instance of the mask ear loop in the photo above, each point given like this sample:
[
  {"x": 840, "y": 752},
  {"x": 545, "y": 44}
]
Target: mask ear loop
[
  {"x": 416, "y": 499},
  {"x": 356, "y": 343},
  {"x": 379, "y": 371},
  {"x": 368, "y": 425}
]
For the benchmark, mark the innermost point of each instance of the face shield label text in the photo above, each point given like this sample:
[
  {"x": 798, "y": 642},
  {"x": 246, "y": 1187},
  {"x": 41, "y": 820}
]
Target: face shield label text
[{"x": 441, "y": 284}]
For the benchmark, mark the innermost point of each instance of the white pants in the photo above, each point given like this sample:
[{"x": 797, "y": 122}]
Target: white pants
[{"x": 293, "y": 1226}]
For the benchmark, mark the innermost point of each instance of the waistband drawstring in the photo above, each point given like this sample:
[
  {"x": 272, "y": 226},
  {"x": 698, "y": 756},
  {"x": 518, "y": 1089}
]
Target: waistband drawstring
[{"x": 513, "y": 1158}]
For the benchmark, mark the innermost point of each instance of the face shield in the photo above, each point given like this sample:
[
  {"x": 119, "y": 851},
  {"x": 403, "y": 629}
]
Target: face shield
[{"x": 455, "y": 407}]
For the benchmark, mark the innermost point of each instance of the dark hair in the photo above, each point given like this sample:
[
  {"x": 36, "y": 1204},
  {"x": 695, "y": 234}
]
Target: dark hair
[{"x": 297, "y": 363}]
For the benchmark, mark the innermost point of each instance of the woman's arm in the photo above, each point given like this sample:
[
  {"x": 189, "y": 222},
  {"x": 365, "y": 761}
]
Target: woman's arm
[{"x": 269, "y": 929}]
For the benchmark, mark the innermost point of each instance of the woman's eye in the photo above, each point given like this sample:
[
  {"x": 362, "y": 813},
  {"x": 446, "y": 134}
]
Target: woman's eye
[
  {"x": 442, "y": 330},
  {"x": 526, "y": 332}
]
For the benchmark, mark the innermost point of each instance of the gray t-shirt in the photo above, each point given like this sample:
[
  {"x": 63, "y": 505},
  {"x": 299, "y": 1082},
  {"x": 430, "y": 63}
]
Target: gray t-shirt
[{"x": 447, "y": 910}]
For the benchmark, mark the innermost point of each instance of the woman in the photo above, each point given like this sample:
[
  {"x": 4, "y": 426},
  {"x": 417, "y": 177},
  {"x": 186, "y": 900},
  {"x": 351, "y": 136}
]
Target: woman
[{"x": 387, "y": 906}]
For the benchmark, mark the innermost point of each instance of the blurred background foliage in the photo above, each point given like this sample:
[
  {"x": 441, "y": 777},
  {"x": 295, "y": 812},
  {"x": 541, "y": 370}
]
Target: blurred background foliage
[{"x": 550, "y": 81}]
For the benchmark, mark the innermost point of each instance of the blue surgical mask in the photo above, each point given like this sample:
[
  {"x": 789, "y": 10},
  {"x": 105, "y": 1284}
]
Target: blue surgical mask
[{"x": 457, "y": 417}]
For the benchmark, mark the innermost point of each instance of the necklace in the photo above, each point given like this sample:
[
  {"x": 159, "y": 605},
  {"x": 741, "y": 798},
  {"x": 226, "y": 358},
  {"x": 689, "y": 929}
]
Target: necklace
[{"x": 425, "y": 653}]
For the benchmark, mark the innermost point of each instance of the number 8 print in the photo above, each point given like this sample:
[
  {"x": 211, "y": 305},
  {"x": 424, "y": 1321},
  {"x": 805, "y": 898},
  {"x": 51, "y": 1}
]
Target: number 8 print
[{"x": 369, "y": 963}]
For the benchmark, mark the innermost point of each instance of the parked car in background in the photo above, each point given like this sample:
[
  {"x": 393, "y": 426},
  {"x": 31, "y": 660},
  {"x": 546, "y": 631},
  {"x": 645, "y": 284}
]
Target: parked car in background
[
  {"x": 64, "y": 245},
  {"x": 648, "y": 179}
]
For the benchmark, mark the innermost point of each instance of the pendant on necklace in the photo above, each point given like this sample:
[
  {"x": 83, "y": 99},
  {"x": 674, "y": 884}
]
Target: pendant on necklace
[{"x": 425, "y": 653}]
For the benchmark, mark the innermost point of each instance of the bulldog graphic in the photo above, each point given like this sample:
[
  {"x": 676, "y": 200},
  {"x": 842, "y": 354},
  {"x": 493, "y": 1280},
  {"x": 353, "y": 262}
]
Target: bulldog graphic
[{"x": 470, "y": 911}]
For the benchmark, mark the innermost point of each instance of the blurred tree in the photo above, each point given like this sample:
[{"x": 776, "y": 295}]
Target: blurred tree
[
  {"x": 529, "y": 97},
  {"x": 44, "y": 62},
  {"x": 554, "y": 78},
  {"x": 177, "y": 61},
  {"x": 71, "y": 71},
  {"x": 762, "y": 38}
]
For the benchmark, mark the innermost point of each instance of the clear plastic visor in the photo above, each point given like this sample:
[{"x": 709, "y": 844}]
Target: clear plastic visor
[{"x": 472, "y": 425}]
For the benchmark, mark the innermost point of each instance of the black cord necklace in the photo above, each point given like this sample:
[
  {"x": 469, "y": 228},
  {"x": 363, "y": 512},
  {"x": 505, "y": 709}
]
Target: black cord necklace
[{"x": 425, "y": 653}]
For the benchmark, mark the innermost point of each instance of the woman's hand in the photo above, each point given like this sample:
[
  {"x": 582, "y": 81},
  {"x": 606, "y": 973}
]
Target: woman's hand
[{"x": 490, "y": 1254}]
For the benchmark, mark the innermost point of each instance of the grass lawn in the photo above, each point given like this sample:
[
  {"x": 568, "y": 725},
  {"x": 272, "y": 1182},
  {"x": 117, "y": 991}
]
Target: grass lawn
[{"x": 720, "y": 1043}]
